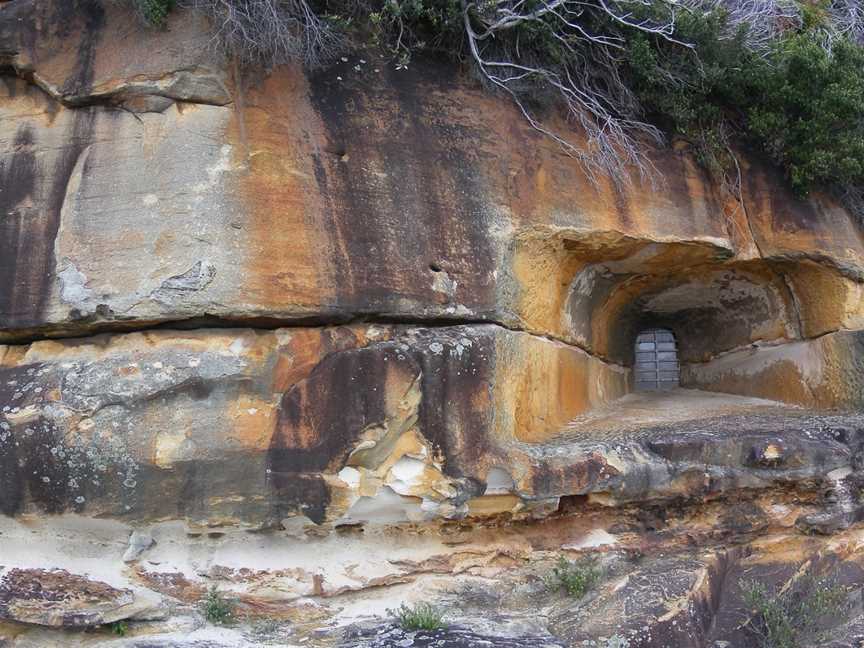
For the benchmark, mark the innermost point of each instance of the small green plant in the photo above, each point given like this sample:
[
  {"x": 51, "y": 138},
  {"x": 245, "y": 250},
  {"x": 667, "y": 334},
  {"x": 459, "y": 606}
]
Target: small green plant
[
  {"x": 577, "y": 579},
  {"x": 119, "y": 628},
  {"x": 154, "y": 12},
  {"x": 790, "y": 618},
  {"x": 423, "y": 616},
  {"x": 217, "y": 609}
]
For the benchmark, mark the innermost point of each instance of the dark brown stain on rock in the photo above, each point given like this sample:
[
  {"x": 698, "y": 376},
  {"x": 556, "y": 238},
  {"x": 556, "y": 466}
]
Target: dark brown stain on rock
[
  {"x": 17, "y": 182},
  {"x": 320, "y": 421},
  {"x": 46, "y": 476},
  {"x": 91, "y": 14},
  {"x": 456, "y": 406},
  {"x": 33, "y": 194},
  {"x": 395, "y": 186},
  {"x": 28, "y": 25},
  {"x": 30, "y": 207},
  {"x": 27, "y": 468},
  {"x": 582, "y": 476},
  {"x": 320, "y": 417}
]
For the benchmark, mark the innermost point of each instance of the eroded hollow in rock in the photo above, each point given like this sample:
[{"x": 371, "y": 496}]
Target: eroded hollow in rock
[
  {"x": 754, "y": 327},
  {"x": 711, "y": 309}
]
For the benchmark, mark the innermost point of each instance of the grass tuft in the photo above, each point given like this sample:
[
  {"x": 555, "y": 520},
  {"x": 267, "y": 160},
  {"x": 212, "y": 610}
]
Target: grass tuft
[
  {"x": 119, "y": 628},
  {"x": 577, "y": 579},
  {"x": 423, "y": 616}
]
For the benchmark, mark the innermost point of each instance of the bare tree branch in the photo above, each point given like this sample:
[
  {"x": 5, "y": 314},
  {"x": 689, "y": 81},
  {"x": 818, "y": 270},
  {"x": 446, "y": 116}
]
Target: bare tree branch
[
  {"x": 761, "y": 21},
  {"x": 270, "y": 31},
  {"x": 847, "y": 19},
  {"x": 588, "y": 80}
]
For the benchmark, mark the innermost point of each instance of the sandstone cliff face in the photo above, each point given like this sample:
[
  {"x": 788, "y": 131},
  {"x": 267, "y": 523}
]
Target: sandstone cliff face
[{"x": 362, "y": 297}]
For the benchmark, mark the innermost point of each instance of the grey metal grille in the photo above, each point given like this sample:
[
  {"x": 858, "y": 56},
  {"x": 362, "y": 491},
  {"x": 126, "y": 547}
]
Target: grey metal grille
[{"x": 656, "y": 360}]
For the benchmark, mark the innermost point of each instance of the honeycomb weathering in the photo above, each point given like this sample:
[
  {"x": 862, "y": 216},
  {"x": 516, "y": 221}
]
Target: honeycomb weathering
[{"x": 340, "y": 339}]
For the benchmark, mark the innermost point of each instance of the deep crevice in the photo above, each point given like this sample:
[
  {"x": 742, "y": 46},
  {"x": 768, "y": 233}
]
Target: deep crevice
[{"x": 25, "y": 337}]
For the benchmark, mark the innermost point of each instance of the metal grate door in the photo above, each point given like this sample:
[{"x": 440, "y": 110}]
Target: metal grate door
[{"x": 656, "y": 360}]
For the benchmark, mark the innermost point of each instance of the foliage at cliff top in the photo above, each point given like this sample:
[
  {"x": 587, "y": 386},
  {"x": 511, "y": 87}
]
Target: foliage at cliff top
[{"x": 786, "y": 76}]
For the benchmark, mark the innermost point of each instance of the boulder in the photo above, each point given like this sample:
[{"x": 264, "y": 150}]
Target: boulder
[{"x": 57, "y": 598}]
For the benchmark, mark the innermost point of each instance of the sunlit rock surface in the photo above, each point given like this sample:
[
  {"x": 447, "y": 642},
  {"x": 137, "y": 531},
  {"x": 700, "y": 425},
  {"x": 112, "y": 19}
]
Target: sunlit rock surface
[{"x": 333, "y": 341}]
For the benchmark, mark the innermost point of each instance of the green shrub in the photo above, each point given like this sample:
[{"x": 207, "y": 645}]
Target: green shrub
[
  {"x": 687, "y": 91},
  {"x": 790, "y": 618},
  {"x": 119, "y": 628},
  {"x": 154, "y": 12},
  {"x": 577, "y": 579},
  {"x": 810, "y": 111},
  {"x": 217, "y": 609},
  {"x": 422, "y": 616},
  {"x": 800, "y": 101}
]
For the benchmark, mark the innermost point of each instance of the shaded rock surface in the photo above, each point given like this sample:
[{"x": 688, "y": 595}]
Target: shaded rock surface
[{"x": 390, "y": 636}]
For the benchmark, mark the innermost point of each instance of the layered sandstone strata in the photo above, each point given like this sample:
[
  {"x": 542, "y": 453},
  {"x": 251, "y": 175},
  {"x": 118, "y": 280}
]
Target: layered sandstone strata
[{"x": 289, "y": 308}]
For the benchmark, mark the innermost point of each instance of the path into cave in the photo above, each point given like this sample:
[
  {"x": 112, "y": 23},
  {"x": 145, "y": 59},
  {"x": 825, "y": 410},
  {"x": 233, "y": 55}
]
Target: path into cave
[{"x": 645, "y": 413}]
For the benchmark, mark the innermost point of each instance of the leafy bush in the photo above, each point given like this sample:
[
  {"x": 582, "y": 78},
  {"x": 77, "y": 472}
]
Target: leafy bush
[
  {"x": 810, "y": 111},
  {"x": 685, "y": 90},
  {"x": 790, "y": 618},
  {"x": 217, "y": 609},
  {"x": 800, "y": 99},
  {"x": 577, "y": 579},
  {"x": 422, "y": 616},
  {"x": 154, "y": 12}
]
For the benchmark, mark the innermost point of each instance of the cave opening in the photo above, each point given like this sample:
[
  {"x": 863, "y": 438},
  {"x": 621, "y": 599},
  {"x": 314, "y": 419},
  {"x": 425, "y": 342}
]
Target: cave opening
[
  {"x": 673, "y": 331},
  {"x": 745, "y": 333}
]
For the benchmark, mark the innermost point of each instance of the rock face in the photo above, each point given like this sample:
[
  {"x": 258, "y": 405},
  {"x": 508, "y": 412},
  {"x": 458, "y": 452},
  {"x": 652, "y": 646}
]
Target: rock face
[{"x": 372, "y": 308}]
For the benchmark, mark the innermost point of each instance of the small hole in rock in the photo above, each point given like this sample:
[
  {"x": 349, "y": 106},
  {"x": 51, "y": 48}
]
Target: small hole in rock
[
  {"x": 337, "y": 150},
  {"x": 346, "y": 529},
  {"x": 569, "y": 504},
  {"x": 434, "y": 267}
]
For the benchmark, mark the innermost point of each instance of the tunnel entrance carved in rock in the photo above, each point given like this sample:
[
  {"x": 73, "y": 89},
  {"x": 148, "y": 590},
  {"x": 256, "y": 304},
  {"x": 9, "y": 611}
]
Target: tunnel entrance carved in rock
[{"x": 656, "y": 360}]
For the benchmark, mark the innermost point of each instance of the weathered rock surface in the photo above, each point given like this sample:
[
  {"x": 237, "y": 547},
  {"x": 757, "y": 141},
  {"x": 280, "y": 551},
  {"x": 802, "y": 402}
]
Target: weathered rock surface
[
  {"x": 332, "y": 340},
  {"x": 58, "y": 598},
  {"x": 450, "y": 637},
  {"x": 252, "y": 426},
  {"x": 324, "y": 197},
  {"x": 356, "y": 423}
]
